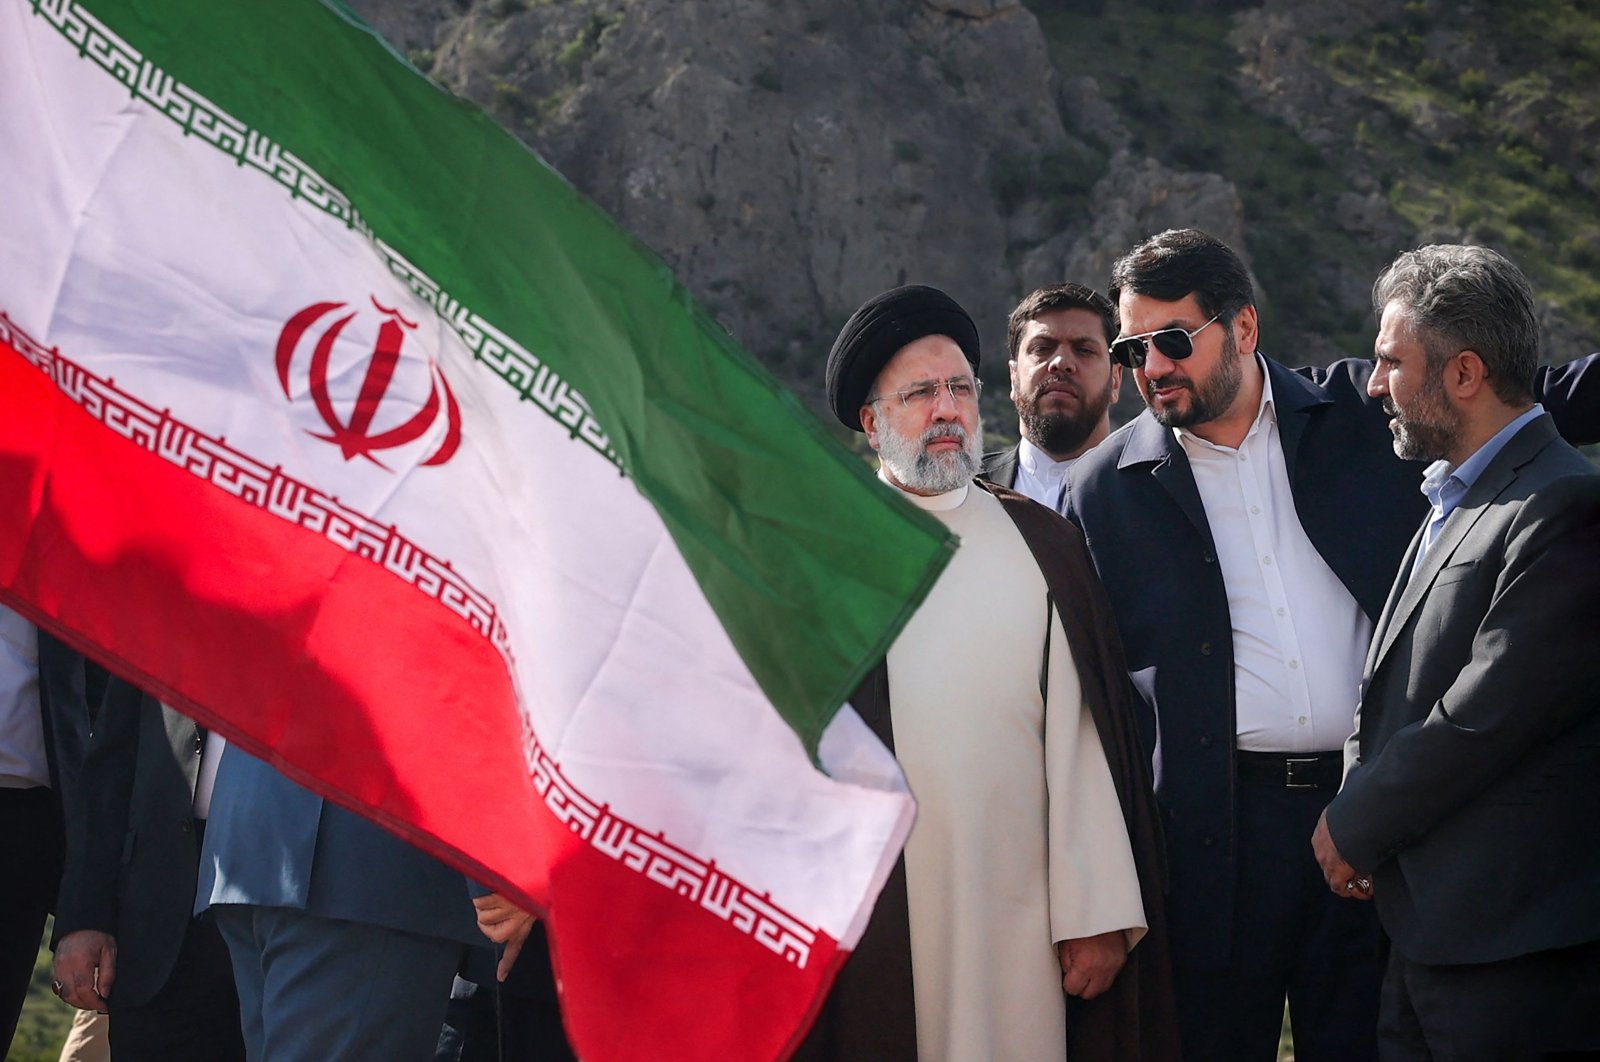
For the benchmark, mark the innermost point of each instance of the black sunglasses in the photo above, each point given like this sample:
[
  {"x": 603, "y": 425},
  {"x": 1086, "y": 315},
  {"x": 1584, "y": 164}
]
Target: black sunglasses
[{"x": 1174, "y": 343}]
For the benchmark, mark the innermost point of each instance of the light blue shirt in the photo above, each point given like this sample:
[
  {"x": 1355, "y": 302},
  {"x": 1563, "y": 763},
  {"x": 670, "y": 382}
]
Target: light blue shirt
[{"x": 1444, "y": 485}]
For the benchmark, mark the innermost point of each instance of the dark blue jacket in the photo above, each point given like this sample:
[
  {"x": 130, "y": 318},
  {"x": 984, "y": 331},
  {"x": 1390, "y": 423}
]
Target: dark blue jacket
[
  {"x": 272, "y": 843},
  {"x": 1135, "y": 498}
]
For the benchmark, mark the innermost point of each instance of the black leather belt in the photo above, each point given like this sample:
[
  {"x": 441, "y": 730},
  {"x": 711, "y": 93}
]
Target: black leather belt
[{"x": 1291, "y": 770}]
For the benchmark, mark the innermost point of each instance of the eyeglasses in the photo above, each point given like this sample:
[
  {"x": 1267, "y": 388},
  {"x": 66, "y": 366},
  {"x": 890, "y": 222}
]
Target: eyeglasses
[
  {"x": 1175, "y": 343},
  {"x": 961, "y": 388}
]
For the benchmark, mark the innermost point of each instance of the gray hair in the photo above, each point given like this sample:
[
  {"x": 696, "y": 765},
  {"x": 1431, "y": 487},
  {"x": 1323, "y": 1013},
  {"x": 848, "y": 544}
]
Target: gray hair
[{"x": 1462, "y": 297}]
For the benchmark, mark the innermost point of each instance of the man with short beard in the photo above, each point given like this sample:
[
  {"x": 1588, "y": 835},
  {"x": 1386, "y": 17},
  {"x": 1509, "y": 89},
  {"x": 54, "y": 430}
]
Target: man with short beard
[
  {"x": 1006, "y": 929},
  {"x": 1063, "y": 383},
  {"x": 1248, "y": 526},
  {"x": 1473, "y": 777}
]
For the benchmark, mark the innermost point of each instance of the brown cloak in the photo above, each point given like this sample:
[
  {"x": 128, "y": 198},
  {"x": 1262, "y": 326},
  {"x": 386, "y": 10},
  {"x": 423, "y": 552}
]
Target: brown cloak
[{"x": 870, "y": 1013}]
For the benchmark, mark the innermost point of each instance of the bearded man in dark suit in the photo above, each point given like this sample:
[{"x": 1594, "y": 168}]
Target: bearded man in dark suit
[
  {"x": 1063, "y": 383},
  {"x": 1472, "y": 781},
  {"x": 1248, "y": 526}
]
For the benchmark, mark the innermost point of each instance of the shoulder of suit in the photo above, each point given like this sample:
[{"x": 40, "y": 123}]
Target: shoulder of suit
[
  {"x": 1565, "y": 481},
  {"x": 1346, "y": 377},
  {"x": 1561, "y": 497},
  {"x": 995, "y": 458},
  {"x": 1104, "y": 458}
]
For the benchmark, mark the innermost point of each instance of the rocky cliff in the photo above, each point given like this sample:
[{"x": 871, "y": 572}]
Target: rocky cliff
[{"x": 789, "y": 160}]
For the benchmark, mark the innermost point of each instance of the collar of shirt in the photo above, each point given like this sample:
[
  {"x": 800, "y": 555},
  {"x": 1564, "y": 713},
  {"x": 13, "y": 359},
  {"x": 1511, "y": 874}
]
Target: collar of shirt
[
  {"x": 1445, "y": 486},
  {"x": 1040, "y": 464},
  {"x": 1035, "y": 468},
  {"x": 933, "y": 503},
  {"x": 1266, "y": 413}
]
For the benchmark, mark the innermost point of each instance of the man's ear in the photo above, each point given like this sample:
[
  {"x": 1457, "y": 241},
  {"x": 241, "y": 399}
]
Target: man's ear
[
  {"x": 1011, "y": 371},
  {"x": 869, "y": 424},
  {"x": 1247, "y": 326},
  {"x": 1465, "y": 375},
  {"x": 1116, "y": 380}
]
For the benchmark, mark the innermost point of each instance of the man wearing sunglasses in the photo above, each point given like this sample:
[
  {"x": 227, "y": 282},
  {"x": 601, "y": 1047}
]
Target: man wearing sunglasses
[
  {"x": 1063, "y": 381},
  {"x": 1248, "y": 526}
]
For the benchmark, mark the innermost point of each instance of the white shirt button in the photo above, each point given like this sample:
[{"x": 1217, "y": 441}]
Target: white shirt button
[{"x": 1294, "y": 665}]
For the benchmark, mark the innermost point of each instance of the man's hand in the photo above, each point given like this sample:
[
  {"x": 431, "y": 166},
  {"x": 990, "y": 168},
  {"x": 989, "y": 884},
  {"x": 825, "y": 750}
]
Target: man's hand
[
  {"x": 1090, "y": 964},
  {"x": 86, "y": 968},
  {"x": 1344, "y": 879},
  {"x": 504, "y": 923}
]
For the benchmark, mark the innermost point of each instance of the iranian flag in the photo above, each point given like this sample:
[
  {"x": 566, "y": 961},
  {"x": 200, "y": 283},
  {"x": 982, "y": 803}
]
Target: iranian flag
[{"x": 335, "y": 418}]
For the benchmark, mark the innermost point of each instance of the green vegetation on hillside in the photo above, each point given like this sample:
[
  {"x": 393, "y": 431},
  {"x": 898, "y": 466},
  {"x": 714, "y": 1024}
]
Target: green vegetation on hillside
[
  {"x": 1476, "y": 123},
  {"x": 1170, "y": 73},
  {"x": 1516, "y": 161}
]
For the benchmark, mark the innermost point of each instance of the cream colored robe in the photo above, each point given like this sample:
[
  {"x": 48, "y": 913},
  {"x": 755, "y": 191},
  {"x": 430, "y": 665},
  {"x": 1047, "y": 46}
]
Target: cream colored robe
[{"x": 1019, "y": 840}]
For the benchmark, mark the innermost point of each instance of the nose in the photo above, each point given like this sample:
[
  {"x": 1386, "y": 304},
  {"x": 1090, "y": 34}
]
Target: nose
[
  {"x": 1156, "y": 364},
  {"x": 944, "y": 404},
  {"x": 1059, "y": 362},
  {"x": 1378, "y": 382}
]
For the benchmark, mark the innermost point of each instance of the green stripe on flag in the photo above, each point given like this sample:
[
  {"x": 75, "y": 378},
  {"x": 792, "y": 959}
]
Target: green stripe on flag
[{"x": 810, "y": 566}]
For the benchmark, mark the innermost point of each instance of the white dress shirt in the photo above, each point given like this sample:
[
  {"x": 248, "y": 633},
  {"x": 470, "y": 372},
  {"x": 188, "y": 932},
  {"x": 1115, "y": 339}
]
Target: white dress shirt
[
  {"x": 1299, "y": 637},
  {"x": 1040, "y": 476},
  {"x": 206, "y": 781},
  {"x": 22, "y": 759}
]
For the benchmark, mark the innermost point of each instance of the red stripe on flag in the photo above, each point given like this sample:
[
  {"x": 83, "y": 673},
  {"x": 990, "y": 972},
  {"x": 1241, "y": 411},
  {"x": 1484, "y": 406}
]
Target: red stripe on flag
[
  {"x": 675, "y": 990},
  {"x": 325, "y": 664},
  {"x": 355, "y": 683}
]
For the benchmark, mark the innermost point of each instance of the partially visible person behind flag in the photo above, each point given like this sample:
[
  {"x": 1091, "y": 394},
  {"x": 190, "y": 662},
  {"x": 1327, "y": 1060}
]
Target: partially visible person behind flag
[
  {"x": 47, "y": 699},
  {"x": 337, "y": 421}
]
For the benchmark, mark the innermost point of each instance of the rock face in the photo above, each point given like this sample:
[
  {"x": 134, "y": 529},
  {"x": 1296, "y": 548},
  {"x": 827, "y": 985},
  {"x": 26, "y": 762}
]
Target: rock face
[
  {"x": 1475, "y": 89},
  {"x": 791, "y": 160}
]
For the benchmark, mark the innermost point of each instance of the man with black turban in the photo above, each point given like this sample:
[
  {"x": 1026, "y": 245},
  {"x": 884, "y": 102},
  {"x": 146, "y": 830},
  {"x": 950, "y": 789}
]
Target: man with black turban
[{"x": 1009, "y": 926}]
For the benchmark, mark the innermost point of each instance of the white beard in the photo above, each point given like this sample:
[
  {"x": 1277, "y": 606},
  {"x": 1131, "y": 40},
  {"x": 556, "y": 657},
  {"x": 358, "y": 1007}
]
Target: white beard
[{"x": 913, "y": 467}]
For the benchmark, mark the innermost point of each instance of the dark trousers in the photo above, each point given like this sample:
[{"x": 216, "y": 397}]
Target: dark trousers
[
  {"x": 484, "y": 1023},
  {"x": 1540, "y": 1006},
  {"x": 315, "y": 989},
  {"x": 195, "y": 1015},
  {"x": 1292, "y": 939},
  {"x": 30, "y": 823},
  {"x": 518, "y": 1021}
]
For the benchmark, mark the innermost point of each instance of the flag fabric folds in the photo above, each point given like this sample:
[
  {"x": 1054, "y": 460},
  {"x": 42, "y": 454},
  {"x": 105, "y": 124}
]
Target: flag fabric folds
[{"x": 337, "y": 419}]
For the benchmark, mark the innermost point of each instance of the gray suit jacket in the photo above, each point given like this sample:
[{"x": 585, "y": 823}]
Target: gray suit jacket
[
  {"x": 272, "y": 843},
  {"x": 131, "y": 848},
  {"x": 1472, "y": 783}
]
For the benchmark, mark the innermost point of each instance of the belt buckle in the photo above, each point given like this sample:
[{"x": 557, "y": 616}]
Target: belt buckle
[{"x": 1289, "y": 763}]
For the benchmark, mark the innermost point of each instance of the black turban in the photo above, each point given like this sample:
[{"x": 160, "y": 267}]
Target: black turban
[{"x": 877, "y": 331}]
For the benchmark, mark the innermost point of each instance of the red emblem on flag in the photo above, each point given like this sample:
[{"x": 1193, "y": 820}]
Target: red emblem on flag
[{"x": 356, "y": 436}]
